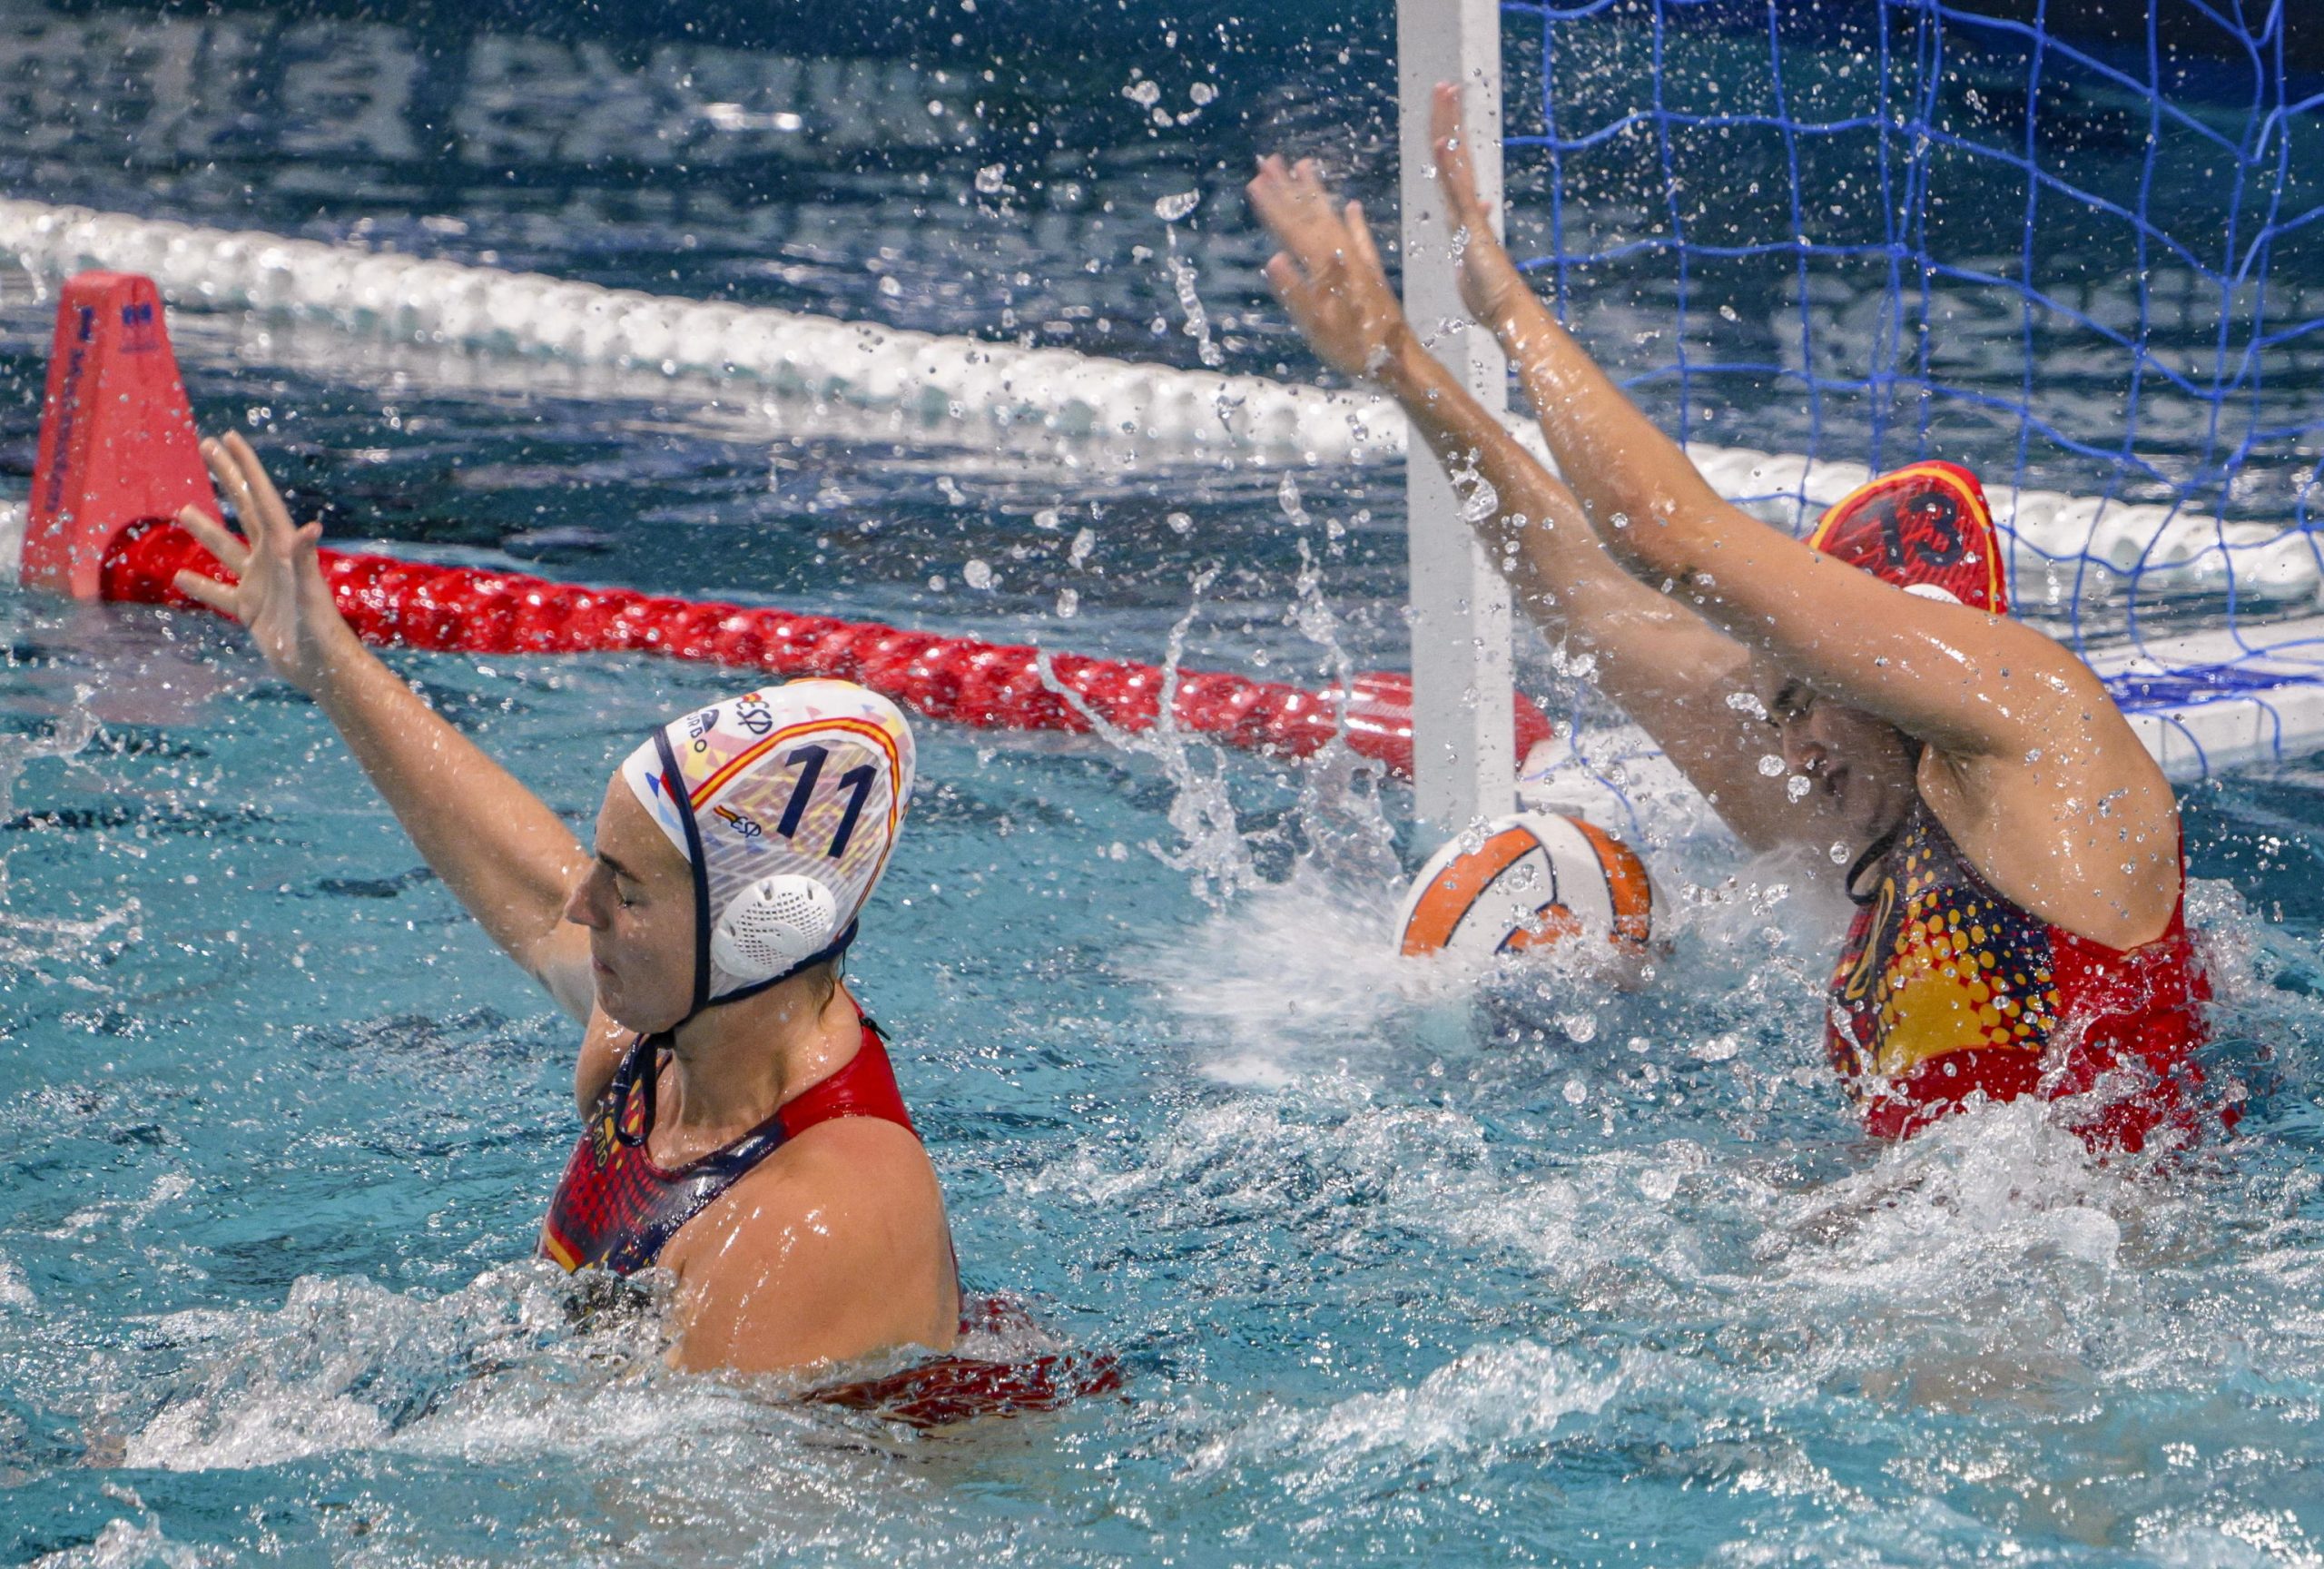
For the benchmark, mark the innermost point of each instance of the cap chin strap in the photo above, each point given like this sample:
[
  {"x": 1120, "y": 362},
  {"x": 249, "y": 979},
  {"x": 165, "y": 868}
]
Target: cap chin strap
[
  {"x": 649, "y": 1073},
  {"x": 677, "y": 783},
  {"x": 1872, "y": 856}
]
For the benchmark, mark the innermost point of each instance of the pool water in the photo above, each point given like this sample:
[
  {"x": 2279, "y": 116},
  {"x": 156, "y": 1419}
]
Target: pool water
[{"x": 1403, "y": 1267}]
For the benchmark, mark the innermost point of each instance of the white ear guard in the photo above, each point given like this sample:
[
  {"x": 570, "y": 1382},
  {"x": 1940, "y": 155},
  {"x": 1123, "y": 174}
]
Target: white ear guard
[{"x": 773, "y": 926}]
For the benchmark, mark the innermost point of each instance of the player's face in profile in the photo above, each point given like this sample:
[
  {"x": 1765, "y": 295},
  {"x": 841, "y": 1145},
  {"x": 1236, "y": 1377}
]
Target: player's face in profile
[
  {"x": 636, "y": 899},
  {"x": 1864, "y": 766}
]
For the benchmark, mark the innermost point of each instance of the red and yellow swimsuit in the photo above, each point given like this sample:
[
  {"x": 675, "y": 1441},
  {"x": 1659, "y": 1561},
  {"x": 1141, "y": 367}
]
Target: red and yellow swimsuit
[
  {"x": 618, "y": 1208},
  {"x": 1945, "y": 990}
]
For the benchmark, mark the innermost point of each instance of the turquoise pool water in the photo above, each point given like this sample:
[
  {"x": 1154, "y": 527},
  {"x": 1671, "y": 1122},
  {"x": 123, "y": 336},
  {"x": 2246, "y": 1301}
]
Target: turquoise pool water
[{"x": 1402, "y": 1269}]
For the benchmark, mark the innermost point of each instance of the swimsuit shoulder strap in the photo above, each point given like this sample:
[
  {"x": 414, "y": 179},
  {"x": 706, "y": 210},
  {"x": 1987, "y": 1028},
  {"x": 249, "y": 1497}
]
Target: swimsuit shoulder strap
[
  {"x": 866, "y": 1087},
  {"x": 618, "y": 1208}
]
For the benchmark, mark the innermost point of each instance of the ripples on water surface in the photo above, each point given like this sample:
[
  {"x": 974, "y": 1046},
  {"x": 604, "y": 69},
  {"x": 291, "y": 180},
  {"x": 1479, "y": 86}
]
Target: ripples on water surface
[{"x": 1399, "y": 1273}]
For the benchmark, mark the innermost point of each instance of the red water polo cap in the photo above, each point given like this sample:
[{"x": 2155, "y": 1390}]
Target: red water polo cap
[{"x": 1925, "y": 528}]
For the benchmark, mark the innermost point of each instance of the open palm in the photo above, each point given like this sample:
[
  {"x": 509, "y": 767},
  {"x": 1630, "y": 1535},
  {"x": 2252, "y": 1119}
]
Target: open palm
[
  {"x": 279, "y": 592},
  {"x": 1328, "y": 273},
  {"x": 1491, "y": 285}
]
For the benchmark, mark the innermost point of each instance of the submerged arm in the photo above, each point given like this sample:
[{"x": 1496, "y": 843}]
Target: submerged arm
[{"x": 507, "y": 857}]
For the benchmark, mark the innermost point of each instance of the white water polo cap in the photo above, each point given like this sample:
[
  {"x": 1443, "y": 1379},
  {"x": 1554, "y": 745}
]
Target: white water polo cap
[{"x": 786, "y": 803}]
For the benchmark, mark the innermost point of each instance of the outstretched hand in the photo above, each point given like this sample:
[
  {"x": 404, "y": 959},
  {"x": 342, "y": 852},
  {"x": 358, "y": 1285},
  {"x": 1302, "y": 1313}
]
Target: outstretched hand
[
  {"x": 1328, "y": 273},
  {"x": 1491, "y": 285},
  {"x": 281, "y": 595}
]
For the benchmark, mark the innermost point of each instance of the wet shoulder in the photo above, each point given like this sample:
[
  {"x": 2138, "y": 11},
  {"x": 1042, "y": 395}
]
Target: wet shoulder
[
  {"x": 834, "y": 1247},
  {"x": 842, "y": 1190}
]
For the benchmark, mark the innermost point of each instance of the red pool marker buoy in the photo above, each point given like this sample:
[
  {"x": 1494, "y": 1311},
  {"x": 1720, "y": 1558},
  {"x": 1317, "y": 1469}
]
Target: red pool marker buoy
[
  {"x": 962, "y": 680},
  {"x": 117, "y": 445},
  {"x": 118, "y": 458}
]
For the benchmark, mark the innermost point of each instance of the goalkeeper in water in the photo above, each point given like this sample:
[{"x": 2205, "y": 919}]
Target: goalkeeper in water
[{"x": 2012, "y": 850}]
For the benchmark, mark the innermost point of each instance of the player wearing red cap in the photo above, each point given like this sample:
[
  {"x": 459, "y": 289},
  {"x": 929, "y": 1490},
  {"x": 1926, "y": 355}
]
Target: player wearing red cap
[{"x": 2013, "y": 850}]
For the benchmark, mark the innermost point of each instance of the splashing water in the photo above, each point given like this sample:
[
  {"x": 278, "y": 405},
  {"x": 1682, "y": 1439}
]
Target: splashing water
[
  {"x": 1182, "y": 281},
  {"x": 70, "y": 945},
  {"x": 1407, "y": 1266},
  {"x": 72, "y": 732},
  {"x": 1343, "y": 830},
  {"x": 1209, "y": 842}
]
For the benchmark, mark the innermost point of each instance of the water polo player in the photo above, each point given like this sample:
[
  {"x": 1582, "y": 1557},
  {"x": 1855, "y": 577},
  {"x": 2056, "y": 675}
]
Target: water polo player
[
  {"x": 2013, "y": 850},
  {"x": 742, "y": 1127}
]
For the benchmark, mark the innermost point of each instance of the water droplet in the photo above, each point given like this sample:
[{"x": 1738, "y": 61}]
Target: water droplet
[
  {"x": 1770, "y": 765},
  {"x": 1170, "y": 209},
  {"x": 977, "y": 575}
]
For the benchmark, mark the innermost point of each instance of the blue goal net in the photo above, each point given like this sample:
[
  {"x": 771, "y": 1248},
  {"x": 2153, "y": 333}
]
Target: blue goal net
[{"x": 1814, "y": 239}]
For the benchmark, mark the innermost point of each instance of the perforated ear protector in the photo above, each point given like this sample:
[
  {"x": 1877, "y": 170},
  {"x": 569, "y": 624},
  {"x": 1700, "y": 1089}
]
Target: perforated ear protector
[
  {"x": 785, "y": 804},
  {"x": 773, "y": 926}
]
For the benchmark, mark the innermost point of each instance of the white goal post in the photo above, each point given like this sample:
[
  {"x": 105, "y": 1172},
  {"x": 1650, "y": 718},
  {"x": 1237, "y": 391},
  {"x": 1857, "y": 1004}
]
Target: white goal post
[{"x": 1464, "y": 766}]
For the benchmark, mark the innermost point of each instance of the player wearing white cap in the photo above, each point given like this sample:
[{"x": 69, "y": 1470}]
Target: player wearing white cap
[{"x": 742, "y": 1127}]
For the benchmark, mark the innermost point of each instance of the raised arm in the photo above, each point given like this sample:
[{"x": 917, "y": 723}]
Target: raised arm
[
  {"x": 1669, "y": 668},
  {"x": 504, "y": 854},
  {"x": 2029, "y": 762},
  {"x": 1665, "y": 524},
  {"x": 2030, "y": 765},
  {"x": 1620, "y": 463}
]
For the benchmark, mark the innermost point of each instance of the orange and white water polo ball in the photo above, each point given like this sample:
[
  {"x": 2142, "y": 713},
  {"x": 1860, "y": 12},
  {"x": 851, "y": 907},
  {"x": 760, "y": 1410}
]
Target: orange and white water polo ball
[{"x": 1537, "y": 879}]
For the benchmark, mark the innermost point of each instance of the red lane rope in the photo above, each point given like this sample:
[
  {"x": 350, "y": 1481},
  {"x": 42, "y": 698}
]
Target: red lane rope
[
  {"x": 118, "y": 457},
  {"x": 962, "y": 680}
]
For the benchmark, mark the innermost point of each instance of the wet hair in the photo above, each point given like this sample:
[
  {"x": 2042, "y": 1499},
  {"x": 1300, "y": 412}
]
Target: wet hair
[{"x": 829, "y": 973}]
